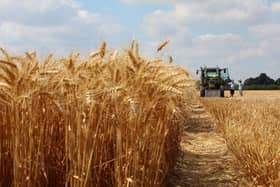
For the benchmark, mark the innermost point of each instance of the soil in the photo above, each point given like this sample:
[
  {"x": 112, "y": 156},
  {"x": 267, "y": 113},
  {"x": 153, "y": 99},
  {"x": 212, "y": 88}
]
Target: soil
[{"x": 204, "y": 159}]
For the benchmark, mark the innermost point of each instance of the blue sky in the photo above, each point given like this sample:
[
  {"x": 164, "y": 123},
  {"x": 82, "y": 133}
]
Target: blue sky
[{"x": 243, "y": 35}]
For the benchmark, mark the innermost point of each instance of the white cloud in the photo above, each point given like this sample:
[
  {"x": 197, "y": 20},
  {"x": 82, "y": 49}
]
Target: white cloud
[
  {"x": 147, "y": 1},
  {"x": 213, "y": 12},
  {"x": 265, "y": 44},
  {"x": 221, "y": 40},
  {"x": 275, "y": 6},
  {"x": 32, "y": 12},
  {"x": 163, "y": 23},
  {"x": 251, "y": 53},
  {"x": 218, "y": 48},
  {"x": 265, "y": 31},
  {"x": 232, "y": 33},
  {"x": 52, "y": 25}
]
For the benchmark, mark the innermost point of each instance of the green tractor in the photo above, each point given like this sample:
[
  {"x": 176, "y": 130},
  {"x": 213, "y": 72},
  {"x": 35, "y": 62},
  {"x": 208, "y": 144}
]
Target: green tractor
[{"x": 213, "y": 81}]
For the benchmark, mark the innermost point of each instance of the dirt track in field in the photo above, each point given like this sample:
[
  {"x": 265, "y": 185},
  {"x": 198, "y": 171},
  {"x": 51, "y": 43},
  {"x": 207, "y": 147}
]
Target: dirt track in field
[{"x": 204, "y": 160}]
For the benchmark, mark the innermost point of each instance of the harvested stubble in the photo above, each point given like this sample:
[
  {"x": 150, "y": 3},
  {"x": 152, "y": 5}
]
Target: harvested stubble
[
  {"x": 252, "y": 132},
  {"x": 110, "y": 120}
]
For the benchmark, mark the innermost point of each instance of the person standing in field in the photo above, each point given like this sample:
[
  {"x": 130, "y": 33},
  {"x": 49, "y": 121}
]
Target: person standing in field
[
  {"x": 232, "y": 88},
  {"x": 240, "y": 87}
]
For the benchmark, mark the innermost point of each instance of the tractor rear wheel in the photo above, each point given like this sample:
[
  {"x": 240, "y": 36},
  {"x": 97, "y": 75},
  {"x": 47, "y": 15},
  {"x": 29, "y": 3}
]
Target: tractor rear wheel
[
  {"x": 202, "y": 92},
  {"x": 222, "y": 91}
]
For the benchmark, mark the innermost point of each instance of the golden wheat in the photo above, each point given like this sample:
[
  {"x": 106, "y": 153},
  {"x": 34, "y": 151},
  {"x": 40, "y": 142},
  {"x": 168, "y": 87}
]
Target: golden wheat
[
  {"x": 101, "y": 121},
  {"x": 162, "y": 45},
  {"x": 252, "y": 131}
]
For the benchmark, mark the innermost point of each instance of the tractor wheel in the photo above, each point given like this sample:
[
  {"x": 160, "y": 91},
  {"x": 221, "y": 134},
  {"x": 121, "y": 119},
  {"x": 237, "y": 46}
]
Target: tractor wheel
[
  {"x": 202, "y": 92},
  {"x": 222, "y": 91}
]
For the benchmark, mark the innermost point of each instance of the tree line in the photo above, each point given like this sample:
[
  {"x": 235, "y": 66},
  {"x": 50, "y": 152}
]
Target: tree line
[{"x": 262, "y": 82}]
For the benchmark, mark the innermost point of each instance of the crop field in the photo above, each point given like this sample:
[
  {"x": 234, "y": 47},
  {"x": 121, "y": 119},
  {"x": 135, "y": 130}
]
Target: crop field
[
  {"x": 112, "y": 119},
  {"x": 116, "y": 118},
  {"x": 263, "y": 95},
  {"x": 251, "y": 127}
]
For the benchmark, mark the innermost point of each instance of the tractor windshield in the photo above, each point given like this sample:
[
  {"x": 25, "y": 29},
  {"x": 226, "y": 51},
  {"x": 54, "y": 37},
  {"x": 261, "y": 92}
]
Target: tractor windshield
[{"x": 212, "y": 73}]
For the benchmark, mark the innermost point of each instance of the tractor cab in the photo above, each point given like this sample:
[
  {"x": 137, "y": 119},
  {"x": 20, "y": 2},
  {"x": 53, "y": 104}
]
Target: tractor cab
[{"x": 212, "y": 73}]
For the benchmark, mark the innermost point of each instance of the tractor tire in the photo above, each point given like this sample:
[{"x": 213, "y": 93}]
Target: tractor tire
[
  {"x": 222, "y": 91},
  {"x": 202, "y": 92}
]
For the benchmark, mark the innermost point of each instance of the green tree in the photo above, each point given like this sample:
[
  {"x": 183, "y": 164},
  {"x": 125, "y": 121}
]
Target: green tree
[
  {"x": 262, "y": 79},
  {"x": 277, "y": 82}
]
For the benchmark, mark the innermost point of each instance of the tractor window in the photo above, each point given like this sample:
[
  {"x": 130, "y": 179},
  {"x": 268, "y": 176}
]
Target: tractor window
[
  {"x": 225, "y": 74},
  {"x": 212, "y": 73}
]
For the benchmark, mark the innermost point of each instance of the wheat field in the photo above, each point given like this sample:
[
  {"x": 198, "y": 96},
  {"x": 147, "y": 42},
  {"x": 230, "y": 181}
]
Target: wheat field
[
  {"x": 251, "y": 128},
  {"x": 111, "y": 119},
  {"x": 116, "y": 118}
]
